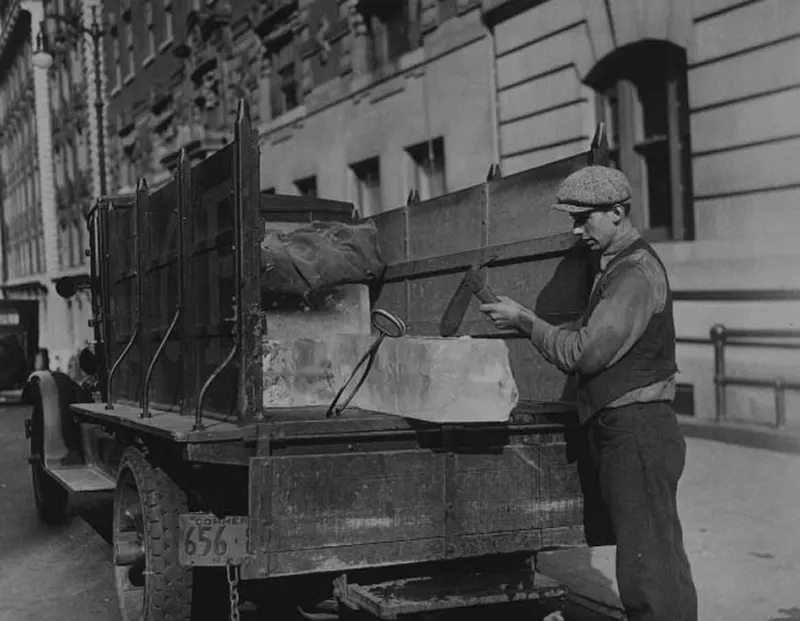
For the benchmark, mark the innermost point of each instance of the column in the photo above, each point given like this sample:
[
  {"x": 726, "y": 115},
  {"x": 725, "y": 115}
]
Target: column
[{"x": 53, "y": 331}]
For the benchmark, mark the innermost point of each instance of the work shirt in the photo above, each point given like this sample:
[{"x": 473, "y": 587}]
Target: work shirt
[{"x": 615, "y": 325}]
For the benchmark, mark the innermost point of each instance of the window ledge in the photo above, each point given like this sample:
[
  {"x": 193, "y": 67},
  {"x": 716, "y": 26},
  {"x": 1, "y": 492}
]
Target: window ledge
[
  {"x": 287, "y": 118},
  {"x": 149, "y": 60},
  {"x": 128, "y": 79},
  {"x": 166, "y": 44},
  {"x": 116, "y": 90}
]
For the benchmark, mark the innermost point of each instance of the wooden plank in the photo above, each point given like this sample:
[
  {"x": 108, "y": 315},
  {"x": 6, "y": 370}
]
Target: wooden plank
[
  {"x": 493, "y": 494},
  {"x": 247, "y": 275},
  {"x": 210, "y": 277},
  {"x": 160, "y": 285},
  {"x": 458, "y": 213},
  {"x": 454, "y": 589},
  {"x": 519, "y": 205},
  {"x": 559, "y": 493},
  {"x": 166, "y": 425},
  {"x": 392, "y": 234},
  {"x": 342, "y": 558},
  {"x": 504, "y": 252},
  {"x": 352, "y": 499}
]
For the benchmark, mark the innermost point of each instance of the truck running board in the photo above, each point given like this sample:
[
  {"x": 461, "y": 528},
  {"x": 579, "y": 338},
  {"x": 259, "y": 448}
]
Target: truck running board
[
  {"x": 388, "y": 600},
  {"x": 78, "y": 479}
]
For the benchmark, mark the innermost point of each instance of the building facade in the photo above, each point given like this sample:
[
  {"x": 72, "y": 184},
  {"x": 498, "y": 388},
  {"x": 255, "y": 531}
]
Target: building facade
[
  {"x": 368, "y": 100},
  {"x": 176, "y": 71},
  {"x": 697, "y": 97},
  {"x": 21, "y": 236},
  {"x": 46, "y": 168}
]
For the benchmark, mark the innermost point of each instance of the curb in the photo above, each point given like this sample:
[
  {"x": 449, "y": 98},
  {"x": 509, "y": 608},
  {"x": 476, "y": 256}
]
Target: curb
[{"x": 742, "y": 434}]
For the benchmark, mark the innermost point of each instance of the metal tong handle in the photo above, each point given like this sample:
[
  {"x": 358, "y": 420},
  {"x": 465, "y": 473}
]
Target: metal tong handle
[{"x": 396, "y": 328}]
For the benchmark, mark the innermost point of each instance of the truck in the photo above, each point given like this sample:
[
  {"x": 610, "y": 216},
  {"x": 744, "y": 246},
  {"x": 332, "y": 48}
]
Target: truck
[
  {"x": 212, "y": 498},
  {"x": 19, "y": 344}
]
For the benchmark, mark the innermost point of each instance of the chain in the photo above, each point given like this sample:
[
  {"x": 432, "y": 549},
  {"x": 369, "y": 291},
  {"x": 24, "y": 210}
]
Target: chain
[{"x": 233, "y": 589}]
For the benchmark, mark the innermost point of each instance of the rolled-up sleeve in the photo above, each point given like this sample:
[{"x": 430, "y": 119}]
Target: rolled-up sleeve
[{"x": 631, "y": 296}]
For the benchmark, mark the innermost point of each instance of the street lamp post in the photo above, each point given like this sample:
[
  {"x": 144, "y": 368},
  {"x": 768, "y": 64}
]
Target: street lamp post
[{"x": 43, "y": 58}]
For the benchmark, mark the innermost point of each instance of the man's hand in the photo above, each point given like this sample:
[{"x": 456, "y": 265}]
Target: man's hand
[{"x": 508, "y": 314}]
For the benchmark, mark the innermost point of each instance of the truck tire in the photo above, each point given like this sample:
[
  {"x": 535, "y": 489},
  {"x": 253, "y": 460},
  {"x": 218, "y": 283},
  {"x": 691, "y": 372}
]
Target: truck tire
[{"x": 151, "y": 584}]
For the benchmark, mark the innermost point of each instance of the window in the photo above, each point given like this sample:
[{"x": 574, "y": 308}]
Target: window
[
  {"x": 427, "y": 169},
  {"x": 307, "y": 186},
  {"x": 390, "y": 30},
  {"x": 288, "y": 79},
  {"x": 367, "y": 184},
  {"x": 129, "y": 45},
  {"x": 642, "y": 99},
  {"x": 168, "y": 26},
  {"x": 151, "y": 33}
]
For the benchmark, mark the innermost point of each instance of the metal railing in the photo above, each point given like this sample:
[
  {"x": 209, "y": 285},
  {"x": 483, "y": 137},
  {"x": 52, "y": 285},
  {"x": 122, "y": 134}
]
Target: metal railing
[{"x": 722, "y": 337}]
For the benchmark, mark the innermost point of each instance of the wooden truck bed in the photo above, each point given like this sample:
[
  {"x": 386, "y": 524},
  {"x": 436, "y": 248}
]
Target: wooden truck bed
[{"x": 184, "y": 330}]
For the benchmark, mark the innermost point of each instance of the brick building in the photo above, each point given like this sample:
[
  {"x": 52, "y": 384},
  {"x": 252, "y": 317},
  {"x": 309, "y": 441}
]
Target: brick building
[{"x": 176, "y": 69}]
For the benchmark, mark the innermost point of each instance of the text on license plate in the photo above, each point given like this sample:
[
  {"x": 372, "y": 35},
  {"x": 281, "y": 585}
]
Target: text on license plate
[{"x": 207, "y": 540}]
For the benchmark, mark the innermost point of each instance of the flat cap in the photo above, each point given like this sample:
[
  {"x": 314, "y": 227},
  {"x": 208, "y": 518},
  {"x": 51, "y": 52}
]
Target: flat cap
[{"x": 592, "y": 188}]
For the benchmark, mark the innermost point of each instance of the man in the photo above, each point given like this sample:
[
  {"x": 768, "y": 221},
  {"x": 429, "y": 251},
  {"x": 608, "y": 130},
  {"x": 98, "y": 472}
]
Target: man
[{"x": 623, "y": 353}]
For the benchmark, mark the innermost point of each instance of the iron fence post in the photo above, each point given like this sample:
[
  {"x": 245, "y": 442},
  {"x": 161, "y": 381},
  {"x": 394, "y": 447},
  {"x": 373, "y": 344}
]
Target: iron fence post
[
  {"x": 780, "y": 402},
  {"x": 718, "y": 337}
]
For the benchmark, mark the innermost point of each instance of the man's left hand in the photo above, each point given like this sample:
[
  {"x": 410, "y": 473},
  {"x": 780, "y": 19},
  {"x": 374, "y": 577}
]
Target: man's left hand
[{"x": 505, "y": 314}]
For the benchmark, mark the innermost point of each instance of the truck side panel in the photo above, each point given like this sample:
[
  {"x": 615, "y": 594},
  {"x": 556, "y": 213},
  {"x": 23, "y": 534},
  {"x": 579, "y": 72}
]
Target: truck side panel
[
  {"x": 332, "y": 512},
  {"x": 160, "y": 272},
  {"x": 186, "y": 257},
  {"x": 429, "y": 245},
  {"x": 120, "y": 273}
]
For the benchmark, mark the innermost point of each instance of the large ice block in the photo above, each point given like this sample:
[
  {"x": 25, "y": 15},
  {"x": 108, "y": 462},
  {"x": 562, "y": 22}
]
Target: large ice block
[
  {"x": 341, "y": 310},
  {"x": 425, "y": 378}
]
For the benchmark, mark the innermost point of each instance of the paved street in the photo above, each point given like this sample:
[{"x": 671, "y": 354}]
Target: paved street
[
  {"x": 740, "y": 508},
  {"x": 45, "y": 574}
]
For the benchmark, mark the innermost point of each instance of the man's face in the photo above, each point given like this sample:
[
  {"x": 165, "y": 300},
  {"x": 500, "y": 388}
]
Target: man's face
[{"x": 596, "y": 228}]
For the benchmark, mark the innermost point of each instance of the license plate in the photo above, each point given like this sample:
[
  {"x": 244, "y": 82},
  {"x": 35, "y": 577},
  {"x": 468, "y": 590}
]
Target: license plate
[{"x": 207, "y": 540}]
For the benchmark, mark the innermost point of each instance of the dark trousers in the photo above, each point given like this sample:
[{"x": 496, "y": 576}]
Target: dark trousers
[{"x": 636, "y": 457}]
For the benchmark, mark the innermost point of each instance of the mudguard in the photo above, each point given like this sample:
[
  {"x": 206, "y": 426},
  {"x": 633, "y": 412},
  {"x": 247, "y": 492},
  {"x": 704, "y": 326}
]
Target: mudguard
[{"x": 55, "y": 436}]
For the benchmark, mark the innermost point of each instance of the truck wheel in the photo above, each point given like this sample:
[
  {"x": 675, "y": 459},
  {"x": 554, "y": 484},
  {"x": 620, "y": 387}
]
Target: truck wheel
[
  {"x": 151, "y": 584},
  {"x": 51, "y": 498}
]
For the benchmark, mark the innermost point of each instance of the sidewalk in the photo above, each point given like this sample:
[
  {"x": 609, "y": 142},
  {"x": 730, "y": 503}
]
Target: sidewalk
[{"x": 740, "y": 509}]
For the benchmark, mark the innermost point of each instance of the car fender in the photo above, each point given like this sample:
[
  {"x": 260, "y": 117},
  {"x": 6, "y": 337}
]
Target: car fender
[{"x": 55, "y": 435}]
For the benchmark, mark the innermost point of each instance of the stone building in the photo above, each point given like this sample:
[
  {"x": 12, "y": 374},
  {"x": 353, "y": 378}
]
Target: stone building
[
  {"x": 367, "y": 100},
  {"x": 45, "y": 171},
  {"x": 698, "y": 98}
]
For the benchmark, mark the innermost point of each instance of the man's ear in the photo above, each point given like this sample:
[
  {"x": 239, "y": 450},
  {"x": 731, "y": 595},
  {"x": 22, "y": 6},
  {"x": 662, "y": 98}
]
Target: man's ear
[{"x": 618, "y": 211}]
